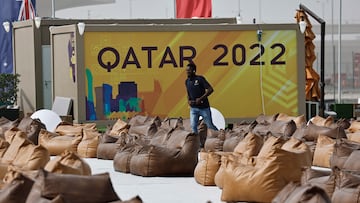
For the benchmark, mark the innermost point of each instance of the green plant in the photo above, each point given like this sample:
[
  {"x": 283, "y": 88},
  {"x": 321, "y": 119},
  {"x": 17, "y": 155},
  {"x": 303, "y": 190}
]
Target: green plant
[{"x": 8, "y": 88}]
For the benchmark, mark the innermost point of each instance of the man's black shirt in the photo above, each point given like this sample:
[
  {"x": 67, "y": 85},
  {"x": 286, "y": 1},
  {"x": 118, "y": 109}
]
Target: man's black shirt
[{"x": 195, "y": 87}]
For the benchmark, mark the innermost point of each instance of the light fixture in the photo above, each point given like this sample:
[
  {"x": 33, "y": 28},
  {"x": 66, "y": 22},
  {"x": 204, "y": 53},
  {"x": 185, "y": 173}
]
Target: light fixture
[
  {"x": 81, "y": 27},
  {"x": 302, "y": 25},
  {"x": 6, "y": 26},
  {"x": 37, "y": 20}
]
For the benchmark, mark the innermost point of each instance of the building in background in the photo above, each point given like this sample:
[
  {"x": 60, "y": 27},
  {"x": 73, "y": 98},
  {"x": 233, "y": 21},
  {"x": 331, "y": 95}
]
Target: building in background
[{"x": 335, "y": 13}]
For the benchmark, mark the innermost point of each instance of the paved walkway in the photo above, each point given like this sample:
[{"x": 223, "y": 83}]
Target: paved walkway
[{"x": 156, "y": 189}]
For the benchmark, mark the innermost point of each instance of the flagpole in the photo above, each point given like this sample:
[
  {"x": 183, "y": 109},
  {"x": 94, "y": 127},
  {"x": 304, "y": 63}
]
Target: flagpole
[
  {"x": 53, "y": 8},
  {"x": 174, "y": 8},
  {"x": 339, "y": 53}
]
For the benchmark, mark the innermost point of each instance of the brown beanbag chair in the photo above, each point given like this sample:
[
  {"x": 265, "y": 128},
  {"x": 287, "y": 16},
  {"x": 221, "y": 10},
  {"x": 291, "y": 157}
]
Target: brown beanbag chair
[
  {"x": 270, "y": 145},
  {"x": 68, "y": 163},
  {"x": 14, "y": 172},
  {"x": 352, "y": 162},
  {"x": 276, "y": 128},
  {"x": 17, "y": 190},
  {"x": 214, "y": 141},
  {"x": 250, "y": 145},
  {"x": 3, "y": 146},
  {"x": 86, "y": 126},
  {"x": 32, "y": 128},
  {"x": 298, "y": 146},
  {"x": 141, "y": 119},
  {"x": 320, "y": 121},
  {"x": 144, "y": 130},
  {"x": 323, "y": 151},
  {"x": 178, "y": 123},
  {"x": 119, "y": 127},
  {"x": 342, "y": 150},
  {"x": 24, "y": 154},
  {"x": 69, "y": 130},
  {"x": 267, "y": 177},
  {"x": 294, "y": 192},
  {"x": 347, "y": 187},
  {"x": 232, "y": 138},
  {"x": 10, "y": 134},
  {"x": 228, "y": 163},
  {"x": 354, "y": 126},
  {"x": 73, "y": 188},
  {"x": 107, "y": 151},
  {"x": 87, "y": 147},
  {"x": 300, "y": 121},
  {"x": 312, "y": 131},
  {"x": 6, "y": 124},
  {"x": 354, "y": 136},
  {"x": 123, "y": 157},
  {"x": 266, "y": 119},
  {"x": 144, "y": 125},
  {"x": 324, "y": 179},
  {"x": 206, "y": 168},
  {"x": 109, "y": 145},
  {"x": 57, "y": 144},
  {"x": 282, "y": 128},
  {"x": 274, "y": 169},
  {"x": 176, "y": 155}
]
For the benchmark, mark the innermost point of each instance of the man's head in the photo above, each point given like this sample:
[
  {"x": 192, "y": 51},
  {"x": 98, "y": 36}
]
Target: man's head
[{"x": 190, "y": 69}]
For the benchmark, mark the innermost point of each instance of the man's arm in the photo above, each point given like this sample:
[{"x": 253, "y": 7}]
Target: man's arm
[
  {"x": 208, "y": 92},
  {"x": 188, "y": 95}
]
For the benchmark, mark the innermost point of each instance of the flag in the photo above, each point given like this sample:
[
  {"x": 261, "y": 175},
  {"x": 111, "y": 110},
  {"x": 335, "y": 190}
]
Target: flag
[
  {"x": 27, "y": 10},
  {"x": 10, "y": 11},
  {"x": 193, "y": 8}
]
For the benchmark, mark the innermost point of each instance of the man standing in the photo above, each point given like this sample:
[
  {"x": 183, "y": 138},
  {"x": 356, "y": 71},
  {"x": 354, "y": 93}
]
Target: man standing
[{"x": 198, "y": 90}]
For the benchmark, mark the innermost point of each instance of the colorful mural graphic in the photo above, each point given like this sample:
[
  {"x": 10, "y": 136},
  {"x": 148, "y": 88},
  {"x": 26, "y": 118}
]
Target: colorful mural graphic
[
  {"x": 125, "y": 101},
  {"x": 128, "y": 73},
  {"x": 72, "y": 58}
]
